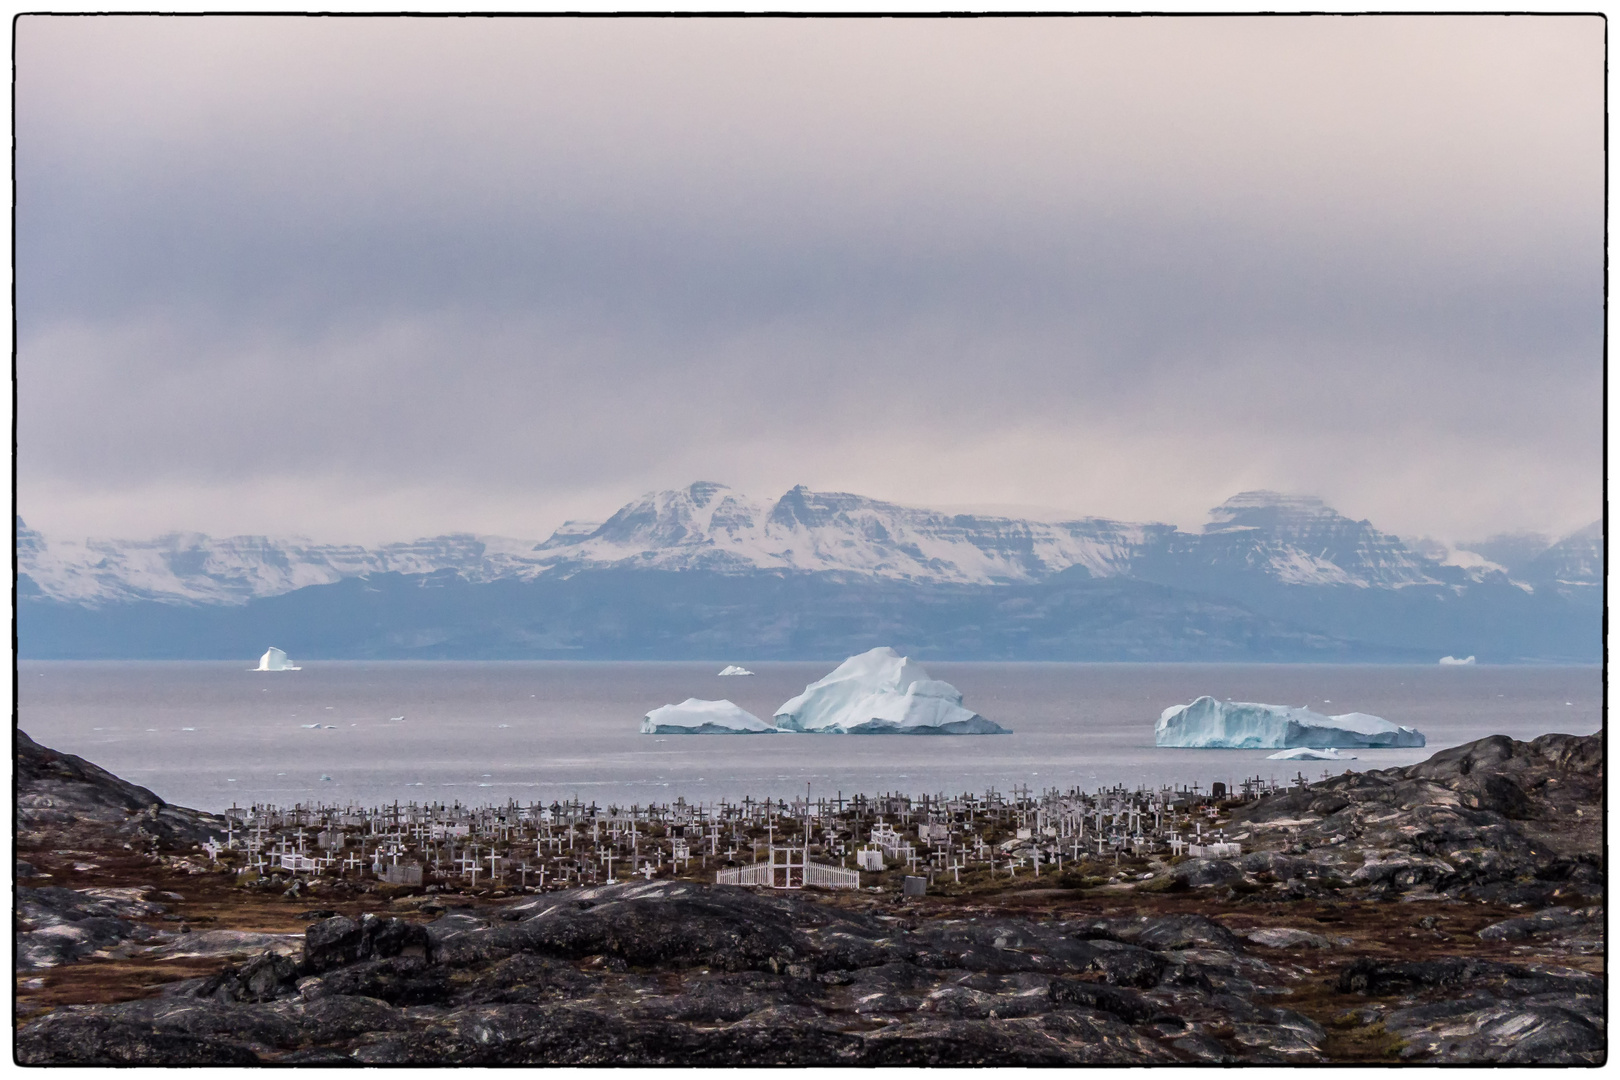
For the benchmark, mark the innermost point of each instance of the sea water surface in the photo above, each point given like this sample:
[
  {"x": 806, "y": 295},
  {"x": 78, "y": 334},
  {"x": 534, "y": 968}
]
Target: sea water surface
[{"x": 211, "y": 734}]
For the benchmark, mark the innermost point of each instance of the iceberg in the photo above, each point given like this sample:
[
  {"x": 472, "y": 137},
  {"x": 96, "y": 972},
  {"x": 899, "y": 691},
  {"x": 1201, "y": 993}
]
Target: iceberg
[
  {"x": 1310, "y": 753},
  {"x": 275, "y": 660},
  {"x": 1452, "y": 661},
  {"x": 1248, "y": 725},
  {"x": 697, "y": 717},
  {"x": 733, "y": 669},
  {"x": 882, "y": 693}
]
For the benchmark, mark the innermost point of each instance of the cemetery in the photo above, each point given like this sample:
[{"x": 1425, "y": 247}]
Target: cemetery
[{"x": 952, "y": 843}]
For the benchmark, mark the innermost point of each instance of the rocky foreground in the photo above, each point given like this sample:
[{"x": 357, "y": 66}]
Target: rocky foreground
[{"x": 1450, "y": 912}]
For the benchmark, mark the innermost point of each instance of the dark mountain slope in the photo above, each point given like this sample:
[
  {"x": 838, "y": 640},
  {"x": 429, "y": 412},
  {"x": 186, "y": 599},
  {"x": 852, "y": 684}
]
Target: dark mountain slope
[{"x": 624, "y": 614}]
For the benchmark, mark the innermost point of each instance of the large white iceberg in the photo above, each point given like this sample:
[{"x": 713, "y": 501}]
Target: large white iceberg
[
  {"x": 733, "y": 669},
  {"x": 1247, "y": 725},
  {"x": 275, "y": 660},
  {"x": 1452, "y": 661},
  {"x": 697, "y": 717},
  {"x": 882, "y": 693}
]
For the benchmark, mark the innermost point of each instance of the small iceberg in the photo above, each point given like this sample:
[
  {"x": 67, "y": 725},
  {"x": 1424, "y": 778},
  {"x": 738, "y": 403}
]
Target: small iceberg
[
  {"x": 881, "y": 692},
  {"x": 275, "y": 660},
  {"x": 1310, "y": 753},
  {"x": 1452, "y": 661},
  {"x": 697, "y": 717},
  {"x": 733, "y": 669},
  {"x": 1251, "y": 726}
]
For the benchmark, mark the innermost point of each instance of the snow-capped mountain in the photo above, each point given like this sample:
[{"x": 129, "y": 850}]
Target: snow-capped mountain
[
  {"x": 1576, "y": 560},
  {"x": 1572, "y": 567},
  {"x": 192, "y": 568},
  {"x": 1298, "y": 540},
  {"x": 1260, "y": 535},
  {"x": 708, "y": 526},
  {"x": 704, "y": 572}
]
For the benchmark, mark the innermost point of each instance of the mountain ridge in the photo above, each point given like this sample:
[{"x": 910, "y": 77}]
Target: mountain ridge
[
  {"x": 1294, "y": 539},
  {"x": 704, "y": 572}
]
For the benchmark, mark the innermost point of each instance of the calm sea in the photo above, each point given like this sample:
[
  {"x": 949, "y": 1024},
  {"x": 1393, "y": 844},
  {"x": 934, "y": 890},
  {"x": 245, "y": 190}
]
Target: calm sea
[{"x": 210, "y": 734}]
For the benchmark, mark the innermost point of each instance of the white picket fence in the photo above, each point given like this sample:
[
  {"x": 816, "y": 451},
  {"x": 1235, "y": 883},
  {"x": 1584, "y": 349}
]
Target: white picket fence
[
  {"x": 754, "y": 874},
  {"x": 831, "y": 877},
  {"x": 826, "y": 877}
]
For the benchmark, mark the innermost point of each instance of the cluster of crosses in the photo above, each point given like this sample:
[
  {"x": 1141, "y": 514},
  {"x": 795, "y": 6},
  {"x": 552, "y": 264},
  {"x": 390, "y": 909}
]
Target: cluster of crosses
[{"x": 568, "y": 843}]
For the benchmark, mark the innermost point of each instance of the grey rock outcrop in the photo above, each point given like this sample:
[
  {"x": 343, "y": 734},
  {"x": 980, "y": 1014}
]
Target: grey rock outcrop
[
  {"x": 64, "y": 800},
  {"x": 1493, "y": 1012},
  {"x": 686, "y": 974},
  {"x": 57, "y": 926},
  {"x": 1496, "y": 819}
]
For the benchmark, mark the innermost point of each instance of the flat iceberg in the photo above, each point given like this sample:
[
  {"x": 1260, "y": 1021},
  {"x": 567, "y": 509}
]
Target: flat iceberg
[
  {"x": 275, "y": 660},
  {"x": 697, "y": 717},
  {"x": 1310, "y": 753},
  {"x": 733, "y": 669},
  {"x": 1248, "y": 725},
  {"x": 882, "y": 693},
  {"x": 1452, "y": 661}
]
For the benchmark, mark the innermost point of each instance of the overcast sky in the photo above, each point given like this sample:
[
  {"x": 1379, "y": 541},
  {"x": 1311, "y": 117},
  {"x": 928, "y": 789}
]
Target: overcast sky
[{"x": 374, "y": 279}]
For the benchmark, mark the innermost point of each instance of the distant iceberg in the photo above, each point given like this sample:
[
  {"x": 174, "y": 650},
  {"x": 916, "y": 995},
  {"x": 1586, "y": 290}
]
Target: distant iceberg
[
  {"x": 275, "y": 660},
  {"x": 1452, "y": 661},
  {"x": 1248, "y": 725},
  {"x": 882, "y": 693},
  {"x": 733, "y": 669},
  {"x": 697, "y": 717},
  {"x": 1310, "y": 753}
]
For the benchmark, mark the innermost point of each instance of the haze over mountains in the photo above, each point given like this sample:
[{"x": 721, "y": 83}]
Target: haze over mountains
[{"x": 706, "y": 572}]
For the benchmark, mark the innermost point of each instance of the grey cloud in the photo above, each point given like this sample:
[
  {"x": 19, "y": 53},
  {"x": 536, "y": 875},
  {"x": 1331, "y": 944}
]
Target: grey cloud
[{"x": 540, "y": 259}]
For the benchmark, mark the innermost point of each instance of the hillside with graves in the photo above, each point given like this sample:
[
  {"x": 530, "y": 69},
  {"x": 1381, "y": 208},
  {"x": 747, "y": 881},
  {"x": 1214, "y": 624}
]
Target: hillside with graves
[{"x": 1447, "y": 912}]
